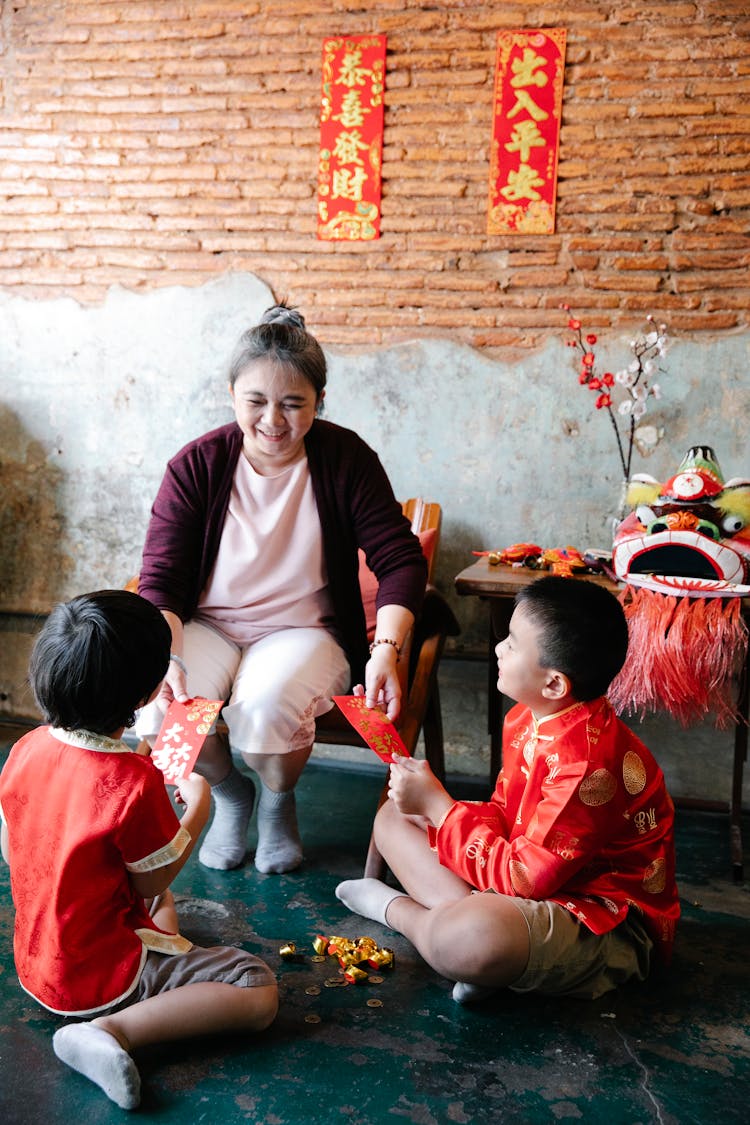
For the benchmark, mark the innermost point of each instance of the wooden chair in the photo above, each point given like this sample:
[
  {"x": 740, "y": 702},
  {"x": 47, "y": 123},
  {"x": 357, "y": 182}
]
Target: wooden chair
[{"x": 420, "y": 707}]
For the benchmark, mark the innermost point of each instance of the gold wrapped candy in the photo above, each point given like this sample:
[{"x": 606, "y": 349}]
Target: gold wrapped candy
[
  {"x": 288, "y": 951},
  {"x": 352, "y": 954}
]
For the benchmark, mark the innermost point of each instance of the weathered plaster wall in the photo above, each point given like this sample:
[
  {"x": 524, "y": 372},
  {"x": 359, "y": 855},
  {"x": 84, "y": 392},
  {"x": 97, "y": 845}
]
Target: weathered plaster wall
[{"x": 95, "y": 399}]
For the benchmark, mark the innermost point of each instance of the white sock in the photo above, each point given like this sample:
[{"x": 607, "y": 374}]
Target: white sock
[
  {"x": 279, "y": 844},
  {"x": 225, "y": 843},
  {"x": 368, "y": 897},
  {"x": 96, "y": 1054},
  {"x": 471, "y": 993}
]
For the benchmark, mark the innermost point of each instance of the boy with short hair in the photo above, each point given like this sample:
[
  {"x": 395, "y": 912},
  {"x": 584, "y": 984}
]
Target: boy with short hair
[
  {"x": 573, "y": 854},
  {"x": 93, "y": 845}
]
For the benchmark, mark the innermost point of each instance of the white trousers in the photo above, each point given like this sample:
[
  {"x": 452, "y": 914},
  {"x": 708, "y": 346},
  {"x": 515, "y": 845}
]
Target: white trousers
[{"x": 276, "y": 686}]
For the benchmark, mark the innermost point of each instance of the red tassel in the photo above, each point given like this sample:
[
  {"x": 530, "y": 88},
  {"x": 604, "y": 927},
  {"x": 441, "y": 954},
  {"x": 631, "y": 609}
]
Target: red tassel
[{"x": 684, "y": 657}]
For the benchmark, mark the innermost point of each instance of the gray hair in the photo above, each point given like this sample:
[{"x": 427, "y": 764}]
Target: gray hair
[{"x": 281, "y": 336}]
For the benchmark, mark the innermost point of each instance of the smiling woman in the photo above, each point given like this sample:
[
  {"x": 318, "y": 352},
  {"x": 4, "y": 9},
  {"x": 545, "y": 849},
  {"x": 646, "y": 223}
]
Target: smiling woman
[{"x": 252, "y": 556}]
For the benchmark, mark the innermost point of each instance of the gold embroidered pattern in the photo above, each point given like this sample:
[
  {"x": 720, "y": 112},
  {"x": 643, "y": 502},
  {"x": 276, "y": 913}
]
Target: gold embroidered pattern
[
  {"x": 520, "y": 877},
  {"x": 633, "y": 773},
  {"x": 598, "y": 788},
  {"x": 655, "y": 877}
]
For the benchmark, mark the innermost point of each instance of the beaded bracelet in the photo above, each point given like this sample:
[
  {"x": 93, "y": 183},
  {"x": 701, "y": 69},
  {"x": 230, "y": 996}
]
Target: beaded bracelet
[
  {"x": 386, "y": 641},
  {"x": 179, "y": 662}
]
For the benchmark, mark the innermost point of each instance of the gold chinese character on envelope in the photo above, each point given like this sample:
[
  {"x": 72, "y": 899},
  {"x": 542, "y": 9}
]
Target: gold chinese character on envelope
[
  {"x": 527, "y": 109},
  {"x": 376, "y": 729},
  {"x": 351, "y": 138},
  {"x": 181, "y": 736}
]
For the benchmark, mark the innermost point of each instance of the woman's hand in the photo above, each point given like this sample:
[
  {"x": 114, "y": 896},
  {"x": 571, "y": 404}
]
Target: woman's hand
[
  {"x": 382, "y": 686},
  {"x": 415, "y": 791},
  {"x": 174, "y": 684}
]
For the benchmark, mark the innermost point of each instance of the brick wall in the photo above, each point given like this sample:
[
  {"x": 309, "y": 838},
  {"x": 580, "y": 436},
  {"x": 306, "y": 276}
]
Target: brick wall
[{"x": 159, "y": 142}]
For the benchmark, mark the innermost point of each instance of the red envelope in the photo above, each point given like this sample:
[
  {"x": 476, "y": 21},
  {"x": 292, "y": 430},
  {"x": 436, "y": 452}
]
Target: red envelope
[
  {"x": 182, "y": 735},
  {"x": 379, "y": 734}
]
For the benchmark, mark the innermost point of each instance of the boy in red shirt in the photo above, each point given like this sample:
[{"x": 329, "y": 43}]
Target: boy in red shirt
[
  {"x": 573, "y": 856},
  {"x": 93, "y": 845}
]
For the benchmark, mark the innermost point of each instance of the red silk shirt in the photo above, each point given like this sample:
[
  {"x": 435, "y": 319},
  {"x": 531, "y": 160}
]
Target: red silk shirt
[
  {"x": 82, "y": 811},
  {"x": 580, "y": 816}
]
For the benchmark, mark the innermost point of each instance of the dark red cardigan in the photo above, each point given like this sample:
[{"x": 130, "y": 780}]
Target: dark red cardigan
[{"x": 355, "y": 503}]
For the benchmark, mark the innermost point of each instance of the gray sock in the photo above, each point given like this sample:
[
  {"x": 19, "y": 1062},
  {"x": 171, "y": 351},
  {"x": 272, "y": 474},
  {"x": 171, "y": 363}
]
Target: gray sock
[
  {"x": 96, "y": 1054},
  {"x": 225, "y": 844},
  {"x": 368, "y": 897},
  {"x": 279, "y": 845}
]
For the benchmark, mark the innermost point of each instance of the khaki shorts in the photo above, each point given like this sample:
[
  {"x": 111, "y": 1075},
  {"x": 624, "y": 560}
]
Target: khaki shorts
[{"x": 567, "y": 959}]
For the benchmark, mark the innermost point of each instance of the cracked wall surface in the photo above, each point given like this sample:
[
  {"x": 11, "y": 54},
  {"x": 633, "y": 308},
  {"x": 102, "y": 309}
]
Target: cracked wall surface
[{"x": 96, "y": 399}]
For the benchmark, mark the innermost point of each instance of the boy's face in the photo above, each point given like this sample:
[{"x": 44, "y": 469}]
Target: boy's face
[{"x": 519, "y": 673}]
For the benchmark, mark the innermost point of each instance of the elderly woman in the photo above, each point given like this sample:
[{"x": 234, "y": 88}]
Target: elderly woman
[{"x": 251, "y": 554}]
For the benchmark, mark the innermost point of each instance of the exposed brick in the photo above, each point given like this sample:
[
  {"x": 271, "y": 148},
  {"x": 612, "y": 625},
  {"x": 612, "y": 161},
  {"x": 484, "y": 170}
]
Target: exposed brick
[{"x": 163, "y": 142}]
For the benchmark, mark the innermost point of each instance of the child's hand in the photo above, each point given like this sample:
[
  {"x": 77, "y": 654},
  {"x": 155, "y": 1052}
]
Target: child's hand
[
  {"x": 415, "y": 790},
  {"x": 193, "y": 790}
]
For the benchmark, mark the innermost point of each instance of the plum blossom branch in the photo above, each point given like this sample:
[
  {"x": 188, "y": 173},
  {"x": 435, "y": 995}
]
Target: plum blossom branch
[{"x": 635, "y": 382}]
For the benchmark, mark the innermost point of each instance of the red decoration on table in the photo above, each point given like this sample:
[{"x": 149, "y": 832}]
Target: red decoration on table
[
  {"x": 526, "y": 130},
  {"x": 379, "y": 734},
  {"x": 351, "y": 138},
  {"x": 181, "y": 736}
]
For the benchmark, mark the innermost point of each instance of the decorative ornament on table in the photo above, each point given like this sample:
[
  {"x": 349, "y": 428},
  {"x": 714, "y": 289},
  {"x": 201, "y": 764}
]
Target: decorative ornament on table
[
  {"x": 623, "y": 395},
  {"x": 684, "y": 552}
]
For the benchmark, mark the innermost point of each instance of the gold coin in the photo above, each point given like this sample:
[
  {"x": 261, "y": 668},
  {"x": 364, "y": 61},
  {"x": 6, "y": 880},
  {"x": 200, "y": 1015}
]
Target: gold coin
[
  {"x": 375, "y": 980},
  {"x": 335, "y": 982},
  {"x": 313, "y": 990},
  {"x": 374, "y": 1003},
  {"x": 317, "y": 958},
  {"x": 312, "y": 1018}
]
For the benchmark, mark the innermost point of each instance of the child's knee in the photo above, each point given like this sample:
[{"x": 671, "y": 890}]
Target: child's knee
[{"x": 266, "y": 1005}]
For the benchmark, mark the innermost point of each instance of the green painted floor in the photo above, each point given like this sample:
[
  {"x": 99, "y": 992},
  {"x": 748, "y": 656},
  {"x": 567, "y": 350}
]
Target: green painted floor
[{"x": 676, "y": 1050}]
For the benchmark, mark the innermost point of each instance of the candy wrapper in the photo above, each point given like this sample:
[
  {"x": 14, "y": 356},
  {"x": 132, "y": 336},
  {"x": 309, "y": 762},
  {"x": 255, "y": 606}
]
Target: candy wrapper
[
  {"x": 379, "y": 734},
  {"x": 182, "y": 735}
]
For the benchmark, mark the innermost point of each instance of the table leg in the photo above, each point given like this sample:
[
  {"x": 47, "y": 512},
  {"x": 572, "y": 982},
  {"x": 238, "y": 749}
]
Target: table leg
[{"x": 740, "y": 757}]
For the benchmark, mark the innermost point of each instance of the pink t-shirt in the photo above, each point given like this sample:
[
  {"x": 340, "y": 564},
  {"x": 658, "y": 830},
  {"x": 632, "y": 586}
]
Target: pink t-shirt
[{"x": 269, "y": 572}]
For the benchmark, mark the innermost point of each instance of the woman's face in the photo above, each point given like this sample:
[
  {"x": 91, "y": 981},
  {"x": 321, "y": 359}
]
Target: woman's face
[{"x": 275, "y": 407}]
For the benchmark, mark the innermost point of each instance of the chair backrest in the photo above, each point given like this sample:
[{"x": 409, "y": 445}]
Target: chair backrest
[{"x": 425, "y": 517}]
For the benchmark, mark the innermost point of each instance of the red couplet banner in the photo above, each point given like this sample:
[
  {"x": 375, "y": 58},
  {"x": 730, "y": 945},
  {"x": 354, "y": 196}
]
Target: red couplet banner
[
  {"x": 529, "y": 77},
  {"x": 351, "y": 138}
]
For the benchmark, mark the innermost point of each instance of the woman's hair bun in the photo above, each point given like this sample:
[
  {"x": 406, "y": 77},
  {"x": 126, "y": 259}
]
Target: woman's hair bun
[{"x": 283, "y": 314}]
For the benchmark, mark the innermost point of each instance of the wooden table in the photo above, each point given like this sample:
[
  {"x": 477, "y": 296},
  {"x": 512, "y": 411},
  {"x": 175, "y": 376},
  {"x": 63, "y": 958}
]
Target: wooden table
[{"x": 499, "y": 586}]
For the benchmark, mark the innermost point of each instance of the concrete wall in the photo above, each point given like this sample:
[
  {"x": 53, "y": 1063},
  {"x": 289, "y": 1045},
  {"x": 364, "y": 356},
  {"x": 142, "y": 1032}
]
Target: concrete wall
[{"x": 95, "y": 399}]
